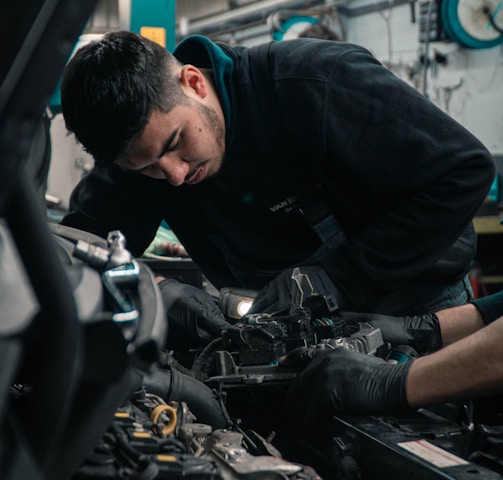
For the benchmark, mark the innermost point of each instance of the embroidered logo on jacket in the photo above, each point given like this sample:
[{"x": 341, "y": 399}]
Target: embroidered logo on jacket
[{"x": 285, "y": 206}]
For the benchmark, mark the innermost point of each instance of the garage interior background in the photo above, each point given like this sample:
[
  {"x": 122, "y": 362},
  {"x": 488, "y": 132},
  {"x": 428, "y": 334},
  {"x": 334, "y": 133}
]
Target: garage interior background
[{"x": 463, "y": 75}]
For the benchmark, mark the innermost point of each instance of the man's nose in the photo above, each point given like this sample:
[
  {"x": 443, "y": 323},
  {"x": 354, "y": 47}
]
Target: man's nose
[{"x": 174, "y": 168}]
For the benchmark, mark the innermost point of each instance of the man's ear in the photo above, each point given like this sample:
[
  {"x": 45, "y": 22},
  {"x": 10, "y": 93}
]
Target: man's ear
[{"x": 193, "y": 81}]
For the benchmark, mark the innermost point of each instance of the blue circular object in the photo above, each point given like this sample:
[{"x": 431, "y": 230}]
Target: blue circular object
[
  {"x": 466, "y": 23},
  {"x": 293, "y": 26}
]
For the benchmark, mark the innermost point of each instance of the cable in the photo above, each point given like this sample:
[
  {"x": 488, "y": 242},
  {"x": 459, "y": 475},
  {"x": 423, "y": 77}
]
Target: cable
[
  {"x": 387, "y": 19},
  {"x": 491, "y": 16},
  {"x": 427, "y": 48}
]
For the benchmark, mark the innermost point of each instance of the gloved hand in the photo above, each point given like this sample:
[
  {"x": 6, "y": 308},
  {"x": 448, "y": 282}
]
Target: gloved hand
[
  {"x": 276, "y": 296},
  {"x": 421, "y": 331},
  {"x": 339, "y": 380},
  {"x": 490, "y": 307},
  {"x": 194, "y": 318}
]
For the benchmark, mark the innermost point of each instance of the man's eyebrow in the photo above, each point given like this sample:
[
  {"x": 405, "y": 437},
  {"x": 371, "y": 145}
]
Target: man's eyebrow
[{"x": 167, "y": 144}]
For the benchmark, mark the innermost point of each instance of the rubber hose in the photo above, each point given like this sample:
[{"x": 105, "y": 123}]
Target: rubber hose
[{"x": 202, "y": 401}]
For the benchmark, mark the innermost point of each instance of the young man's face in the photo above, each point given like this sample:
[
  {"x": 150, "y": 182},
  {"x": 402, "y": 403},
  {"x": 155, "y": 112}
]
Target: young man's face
[{"x": 185, "y": 145}]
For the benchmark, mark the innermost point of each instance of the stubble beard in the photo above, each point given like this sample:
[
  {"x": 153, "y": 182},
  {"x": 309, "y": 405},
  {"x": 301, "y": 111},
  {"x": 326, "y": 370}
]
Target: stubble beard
[{"x": 214, "y": 124}]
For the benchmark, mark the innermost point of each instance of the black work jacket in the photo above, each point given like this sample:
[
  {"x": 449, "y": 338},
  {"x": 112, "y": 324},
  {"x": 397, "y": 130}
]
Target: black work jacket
[{"x": 401, "y": 178}]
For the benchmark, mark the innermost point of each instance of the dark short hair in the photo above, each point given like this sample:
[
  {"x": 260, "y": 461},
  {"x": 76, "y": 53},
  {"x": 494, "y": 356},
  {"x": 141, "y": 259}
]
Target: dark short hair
[
  {"x": 318, "y": 30},
  {"x": 110, "y": 88}
]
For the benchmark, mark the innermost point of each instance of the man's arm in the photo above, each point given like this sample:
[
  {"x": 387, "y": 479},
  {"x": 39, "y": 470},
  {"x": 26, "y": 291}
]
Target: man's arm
[
  {"x": 407, "y": 177},
  {"x": 429, "y": 332},
  {"x": 471, "y": 367},
  {"x": 459, "y": 322}
]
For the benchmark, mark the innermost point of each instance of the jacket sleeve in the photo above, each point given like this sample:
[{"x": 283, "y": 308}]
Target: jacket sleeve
[
  {"x": 407, "y": 178},
  {"x": 108, "y": 199}
]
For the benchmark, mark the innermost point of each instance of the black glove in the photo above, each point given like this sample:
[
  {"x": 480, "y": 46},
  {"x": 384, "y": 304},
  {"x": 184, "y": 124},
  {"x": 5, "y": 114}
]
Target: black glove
[
  {"x": 339, "y": 380},
  {"x": 276, "y": 296},
  {"x": 194, "y": 318},
  {"x": 421, "y": 331},
  {"x": 490, "y": 307}
]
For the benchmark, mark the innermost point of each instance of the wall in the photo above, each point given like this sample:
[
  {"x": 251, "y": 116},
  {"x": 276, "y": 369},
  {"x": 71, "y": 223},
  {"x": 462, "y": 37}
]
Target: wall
[
  {"x": 68, "y": 162},
  {"x": 469, "y": 86}
]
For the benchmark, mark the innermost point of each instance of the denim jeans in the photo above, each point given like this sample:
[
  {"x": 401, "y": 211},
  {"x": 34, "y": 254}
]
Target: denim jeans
[{"x": 425, "y": 298}]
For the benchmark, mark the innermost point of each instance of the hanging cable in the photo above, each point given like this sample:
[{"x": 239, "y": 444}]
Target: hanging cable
[
  {"x": 426, "y": 59},
  {"x": 491, "y": 16}
]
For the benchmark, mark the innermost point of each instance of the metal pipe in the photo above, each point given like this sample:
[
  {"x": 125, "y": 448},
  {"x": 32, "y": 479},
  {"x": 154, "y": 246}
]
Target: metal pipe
[{"x": 261, "y": 9}]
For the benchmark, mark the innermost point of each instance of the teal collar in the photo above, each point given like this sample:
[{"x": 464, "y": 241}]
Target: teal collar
[{"x": 203, "y": 53}]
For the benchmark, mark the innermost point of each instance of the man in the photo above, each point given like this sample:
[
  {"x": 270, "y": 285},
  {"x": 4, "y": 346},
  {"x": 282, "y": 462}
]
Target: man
[
  {"x": 469, "y": 365},
  {"x": 303, "y": 153}
]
